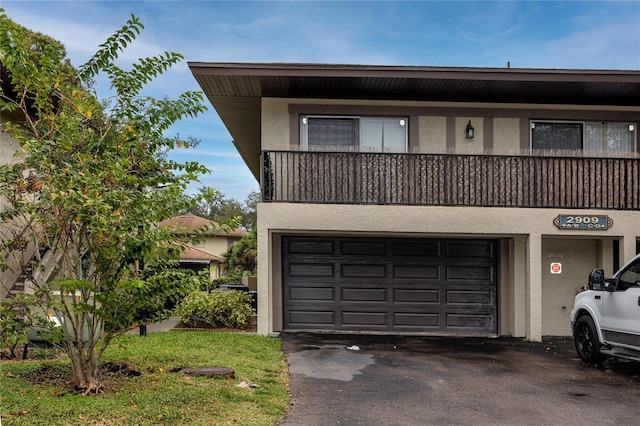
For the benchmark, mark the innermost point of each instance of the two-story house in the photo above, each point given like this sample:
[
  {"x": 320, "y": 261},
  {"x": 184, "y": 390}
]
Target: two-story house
[{"x": 469, "y": 201}]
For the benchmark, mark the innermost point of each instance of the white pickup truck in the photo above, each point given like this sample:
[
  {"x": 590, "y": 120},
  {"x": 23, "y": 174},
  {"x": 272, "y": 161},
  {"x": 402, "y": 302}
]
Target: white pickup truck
[{"x": 606, "y": 318}]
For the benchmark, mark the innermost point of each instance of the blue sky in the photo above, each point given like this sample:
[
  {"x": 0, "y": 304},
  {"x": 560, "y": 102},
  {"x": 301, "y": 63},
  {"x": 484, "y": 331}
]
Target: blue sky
[{"x": 528, "y": 34}]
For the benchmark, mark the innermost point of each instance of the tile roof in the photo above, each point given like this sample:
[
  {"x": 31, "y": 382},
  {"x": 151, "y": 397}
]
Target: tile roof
[
  {"x": 192, "y": 223},
  {"x": 193, "y": 254}
]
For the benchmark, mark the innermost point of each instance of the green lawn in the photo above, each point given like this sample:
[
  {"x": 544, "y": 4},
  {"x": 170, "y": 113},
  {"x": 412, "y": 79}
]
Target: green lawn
[{"x": 40, "y": 392}]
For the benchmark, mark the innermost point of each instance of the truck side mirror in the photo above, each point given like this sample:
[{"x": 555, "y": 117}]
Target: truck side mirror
[{"x": 596, "y": 280}]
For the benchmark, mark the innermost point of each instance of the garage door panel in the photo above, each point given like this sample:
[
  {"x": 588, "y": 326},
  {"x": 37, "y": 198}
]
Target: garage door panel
[
  {"x": 416, "y": 320},
  {"x": 416, "y": 248},
  {"x": 364, "y": 318},
  {"x": 429, "y": 272},
  {"x": 312, "y": 293},
  {"x": 476, "y": 273},
  {"x": 311, "y": 270},
  {"x": 325, "y": 247},
  {"x": 311, "y": 318},
  {"x": 363, "y": 248},
  {"x": 389, "y": 284},
  {"x": 416, "y": 295},
  {"x": 468, "y": 321},
  {"x": 364, "y": 294},
  {"x": 363, "y": 271},
  {"x": 457, "y": 297},
  {"x": 475, "y": 249}
]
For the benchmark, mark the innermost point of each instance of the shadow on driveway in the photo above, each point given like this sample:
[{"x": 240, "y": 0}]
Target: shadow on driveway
[{"x": 390, "y": 380}]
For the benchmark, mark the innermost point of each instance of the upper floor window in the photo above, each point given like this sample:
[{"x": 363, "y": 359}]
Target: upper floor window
[
  {"x": 356, "y": 133},
  {"x": 583, "y": 136}
]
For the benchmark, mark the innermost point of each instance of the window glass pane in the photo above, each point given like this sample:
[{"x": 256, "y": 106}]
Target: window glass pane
[
  {"x": 383, "y": 134},
  {"x": 368, "y": 134},
  {"x": 371, "y": 132},
  {"x": 619, "y": 137},
  {"x": 556, "y": 136},
  {"x": 611, "y": 137},
  {"x": 332, "y": 131},
  {"x": 395, "y": 135},
  {"x": 593, "y": 137}
]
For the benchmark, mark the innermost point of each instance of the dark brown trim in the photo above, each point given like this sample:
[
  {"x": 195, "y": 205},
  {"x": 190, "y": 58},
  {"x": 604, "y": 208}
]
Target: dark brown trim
[
  {"x": 361, "y": 110},
  {"x": 487, "y": 135},
  {"x": 451, "y": 132},
  {"x": 525, "y": 133},
  {"x": 504, "y": 111},
  {"x": 294, "y": 129},
  {"x": 414, "y": 133},
  {"x": 413, "y": 72}
]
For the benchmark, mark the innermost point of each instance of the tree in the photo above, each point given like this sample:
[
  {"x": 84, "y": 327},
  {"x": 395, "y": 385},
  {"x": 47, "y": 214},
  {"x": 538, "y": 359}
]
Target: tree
[
  {"x": 251, "y": 209},
  {"x": 91, "y": 185},
  {"x": 214, "y": 205},
  {"x": 242, "y": 256}
]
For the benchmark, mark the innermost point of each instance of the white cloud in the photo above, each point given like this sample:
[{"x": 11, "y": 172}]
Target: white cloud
[{"x": 610, "y": 46}]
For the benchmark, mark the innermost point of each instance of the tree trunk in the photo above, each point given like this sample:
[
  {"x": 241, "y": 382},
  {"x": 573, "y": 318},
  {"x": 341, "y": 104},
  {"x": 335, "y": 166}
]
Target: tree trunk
[{"x": 84, "y": 364}]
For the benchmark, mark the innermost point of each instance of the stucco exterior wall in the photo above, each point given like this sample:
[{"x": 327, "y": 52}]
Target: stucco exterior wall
[
  {"x": 214, "y": 245},
  {"x": 505, "y": 132},
  {"x": 275, "y": 124},
  {"x": 522, "y": 230},
  {"x": 433, "y": 134}
]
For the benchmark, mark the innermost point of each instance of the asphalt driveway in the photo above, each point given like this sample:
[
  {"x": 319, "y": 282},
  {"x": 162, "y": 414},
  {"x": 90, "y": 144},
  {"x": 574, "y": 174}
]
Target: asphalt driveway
[{"x": 381, "y": 380}]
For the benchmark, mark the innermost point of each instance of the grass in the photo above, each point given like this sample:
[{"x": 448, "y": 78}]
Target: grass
[{"x": 40, "y": 392}]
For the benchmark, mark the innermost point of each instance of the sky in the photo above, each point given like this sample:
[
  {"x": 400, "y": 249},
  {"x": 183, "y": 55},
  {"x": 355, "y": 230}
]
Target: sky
[{"x": 527, "y": 34}]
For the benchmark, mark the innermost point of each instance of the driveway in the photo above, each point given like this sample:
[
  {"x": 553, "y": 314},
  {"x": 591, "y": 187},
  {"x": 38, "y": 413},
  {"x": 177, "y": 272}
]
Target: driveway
[{"x": 382, "y": 380}]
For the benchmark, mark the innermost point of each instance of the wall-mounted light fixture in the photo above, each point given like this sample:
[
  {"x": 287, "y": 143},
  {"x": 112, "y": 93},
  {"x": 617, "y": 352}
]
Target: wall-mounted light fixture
[
  {"x": 469, "y": 131},
  {"x": 631, "y": 127}
]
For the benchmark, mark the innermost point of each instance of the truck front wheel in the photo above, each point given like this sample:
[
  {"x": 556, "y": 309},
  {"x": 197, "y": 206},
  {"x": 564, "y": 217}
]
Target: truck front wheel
[{"x": 586, "y": 339}]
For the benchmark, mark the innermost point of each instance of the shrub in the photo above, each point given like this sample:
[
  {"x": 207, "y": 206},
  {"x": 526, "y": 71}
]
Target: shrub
[
  {"x": 13, "y": 329},
  {"x": 216, "y": 309}
]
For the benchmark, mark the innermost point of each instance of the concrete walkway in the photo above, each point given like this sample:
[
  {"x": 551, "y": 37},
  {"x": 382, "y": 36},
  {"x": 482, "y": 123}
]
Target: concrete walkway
[{"x": 166, "y": 325}]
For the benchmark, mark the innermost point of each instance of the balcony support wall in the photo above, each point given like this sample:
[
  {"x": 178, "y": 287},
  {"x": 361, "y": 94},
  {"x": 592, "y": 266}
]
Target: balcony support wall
[{"x": 534, "y": 287}]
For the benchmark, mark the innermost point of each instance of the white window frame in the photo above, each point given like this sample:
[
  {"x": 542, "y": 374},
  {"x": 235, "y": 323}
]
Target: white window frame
[
  {"x": 304, "y": 138},
  {"x": 584, "y": 124}
]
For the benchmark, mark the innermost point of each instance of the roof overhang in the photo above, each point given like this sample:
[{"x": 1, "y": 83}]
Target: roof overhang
[{"x": 235, "y": 89}]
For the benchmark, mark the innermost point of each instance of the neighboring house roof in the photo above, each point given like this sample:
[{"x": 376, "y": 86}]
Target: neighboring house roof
[
  {"x": 192, "y": 223},
  {"x": 235, "y": 89},
  {"x": 191, "y": 254}
]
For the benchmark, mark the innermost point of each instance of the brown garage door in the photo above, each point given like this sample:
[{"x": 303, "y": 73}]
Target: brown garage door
[{"x": 389, "y": 284}]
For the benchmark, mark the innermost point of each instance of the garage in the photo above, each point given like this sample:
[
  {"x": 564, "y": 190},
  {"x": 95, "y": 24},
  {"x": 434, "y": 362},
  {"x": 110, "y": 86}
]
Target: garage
[{"x": 383, "y": 284}]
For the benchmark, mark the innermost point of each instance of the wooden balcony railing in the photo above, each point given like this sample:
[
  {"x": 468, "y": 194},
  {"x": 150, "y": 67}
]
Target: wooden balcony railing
[{"x": 451, "y": 180}]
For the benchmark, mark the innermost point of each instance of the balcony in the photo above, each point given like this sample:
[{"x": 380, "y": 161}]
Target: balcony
[{"x": 451, "y": 180}]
